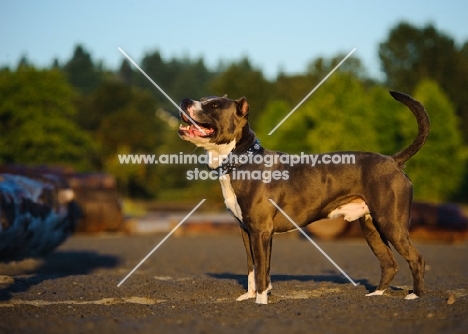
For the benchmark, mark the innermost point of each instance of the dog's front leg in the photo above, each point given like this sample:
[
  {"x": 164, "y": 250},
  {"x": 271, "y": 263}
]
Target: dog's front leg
[
  {"x": 251, "y": 289},
  {"x": 261, "y": 249},
  {"x": 250, "y": 268}
]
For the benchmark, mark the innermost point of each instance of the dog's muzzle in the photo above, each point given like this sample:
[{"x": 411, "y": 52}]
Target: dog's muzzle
[{"x": 194, "y": 128}]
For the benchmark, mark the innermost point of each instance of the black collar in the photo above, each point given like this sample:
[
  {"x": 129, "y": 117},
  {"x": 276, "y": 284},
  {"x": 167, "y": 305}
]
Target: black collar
[{"x": 235, "y": 160}]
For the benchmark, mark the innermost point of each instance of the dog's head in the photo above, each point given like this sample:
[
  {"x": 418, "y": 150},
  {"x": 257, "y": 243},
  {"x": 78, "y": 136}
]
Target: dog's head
[{"x": 213, "y": 120}]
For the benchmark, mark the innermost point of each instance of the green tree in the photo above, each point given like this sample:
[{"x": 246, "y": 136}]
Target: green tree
[
  {"x": 241, "y": 79},
  {"x": 122, "y": 115},
  {"x": 338, "y": 116},
  {"x": 126, "y": 73},
  {"x": 123, "y": 121},
  {"x": 36, "y": 120},
  {"x": 411, "y": 54},
  {"x": 110, "y": 96},
  {"x": 191, "y": 80},
  {"x": 81, "y": 71},
  {"x": 385, "y": 121},
  {"x": 320, "y": 67},
  {"x": 437, "y": 169},
  {"x": 292, "y": 88},
  {"x": 179, "y": 78},
  {"x": 119, "y": 115}
]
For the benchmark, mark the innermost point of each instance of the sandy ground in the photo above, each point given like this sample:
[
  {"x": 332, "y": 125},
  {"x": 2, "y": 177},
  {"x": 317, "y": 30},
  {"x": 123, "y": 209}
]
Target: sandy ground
[{"x": 189, "y": 285}]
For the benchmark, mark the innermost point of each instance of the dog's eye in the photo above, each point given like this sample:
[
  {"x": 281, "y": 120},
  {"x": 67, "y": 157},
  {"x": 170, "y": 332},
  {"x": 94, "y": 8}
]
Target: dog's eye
[{"x": 214, "y": 105}]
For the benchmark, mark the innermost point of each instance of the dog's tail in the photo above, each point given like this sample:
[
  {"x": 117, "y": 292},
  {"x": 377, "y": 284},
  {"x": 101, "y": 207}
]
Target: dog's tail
[{"x": 423, "y": 128}]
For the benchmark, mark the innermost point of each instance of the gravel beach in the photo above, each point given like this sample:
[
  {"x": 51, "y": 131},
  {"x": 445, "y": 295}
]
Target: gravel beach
[{"x": 189, "y": 285}]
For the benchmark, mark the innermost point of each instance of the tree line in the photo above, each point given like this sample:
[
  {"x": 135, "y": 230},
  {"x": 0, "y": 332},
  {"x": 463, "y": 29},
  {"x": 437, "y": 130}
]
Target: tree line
[{"x": 80, "y": 114}]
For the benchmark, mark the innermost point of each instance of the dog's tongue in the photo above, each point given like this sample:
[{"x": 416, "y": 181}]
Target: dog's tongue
[
  {"x": 199, "y": 131},
  {"x": 196, "y": 131}
]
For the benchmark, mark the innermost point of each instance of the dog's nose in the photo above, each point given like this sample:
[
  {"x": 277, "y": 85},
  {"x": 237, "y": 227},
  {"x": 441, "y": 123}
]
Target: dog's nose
[{"x": 185, "y": 103}]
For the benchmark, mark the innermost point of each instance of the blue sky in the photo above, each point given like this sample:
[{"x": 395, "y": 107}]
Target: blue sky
[{"x": 274, "y": 35}]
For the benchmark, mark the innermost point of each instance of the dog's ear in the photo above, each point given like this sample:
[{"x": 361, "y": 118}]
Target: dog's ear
[
  {"x": 242, "y": 106},
  {"x": 225, "y": 96}
]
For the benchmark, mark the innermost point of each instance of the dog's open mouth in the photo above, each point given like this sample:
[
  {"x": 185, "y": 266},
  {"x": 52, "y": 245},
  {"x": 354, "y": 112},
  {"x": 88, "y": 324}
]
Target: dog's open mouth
[{"x": 198, "y": 130}]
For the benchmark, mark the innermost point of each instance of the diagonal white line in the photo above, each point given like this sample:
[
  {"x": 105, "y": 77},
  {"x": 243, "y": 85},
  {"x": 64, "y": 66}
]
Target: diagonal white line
[
  {"x": 313, "y": 90},
  {"x": 161, "y": 90},
  {"x": 157, "y": 246},
  {"x": 313, "y": 242}
]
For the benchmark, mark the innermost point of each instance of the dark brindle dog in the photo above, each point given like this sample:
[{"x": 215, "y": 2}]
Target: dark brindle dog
[{"x": 373, "y": 190}]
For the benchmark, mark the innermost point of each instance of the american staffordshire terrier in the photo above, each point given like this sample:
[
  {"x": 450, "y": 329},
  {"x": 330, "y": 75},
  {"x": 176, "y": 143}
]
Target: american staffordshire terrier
[{"x": 373, "y": 189}]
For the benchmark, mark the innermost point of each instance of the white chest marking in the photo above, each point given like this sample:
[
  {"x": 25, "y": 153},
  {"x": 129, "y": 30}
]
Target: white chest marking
[
  {"x": 230, "y": 198},
  {"x": 218, "y": 152}
]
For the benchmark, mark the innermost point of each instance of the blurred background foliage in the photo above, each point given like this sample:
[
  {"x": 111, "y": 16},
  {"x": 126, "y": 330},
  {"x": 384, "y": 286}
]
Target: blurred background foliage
[{"x": 80, "y": 114}]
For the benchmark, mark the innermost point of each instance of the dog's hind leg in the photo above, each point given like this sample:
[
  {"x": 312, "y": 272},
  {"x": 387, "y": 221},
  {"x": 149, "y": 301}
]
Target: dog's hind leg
[
  {"x": 396, "y": 229},
  {"x": 379, "y": 245},
  {"x": 408, "y": 251}
]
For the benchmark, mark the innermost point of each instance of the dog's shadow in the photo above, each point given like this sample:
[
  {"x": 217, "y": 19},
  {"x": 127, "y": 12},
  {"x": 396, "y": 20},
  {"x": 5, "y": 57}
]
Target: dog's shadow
[{"x": 329, "y": 278}]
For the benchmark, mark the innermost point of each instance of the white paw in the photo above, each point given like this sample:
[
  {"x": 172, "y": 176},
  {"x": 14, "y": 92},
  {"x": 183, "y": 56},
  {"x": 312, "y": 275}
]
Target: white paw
[
  {"x": 245, "y": 296},
  {"x": 375, "y": 293},
  {"x": 411, "y": 296},
  {"x": 262, "y": 298}
]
